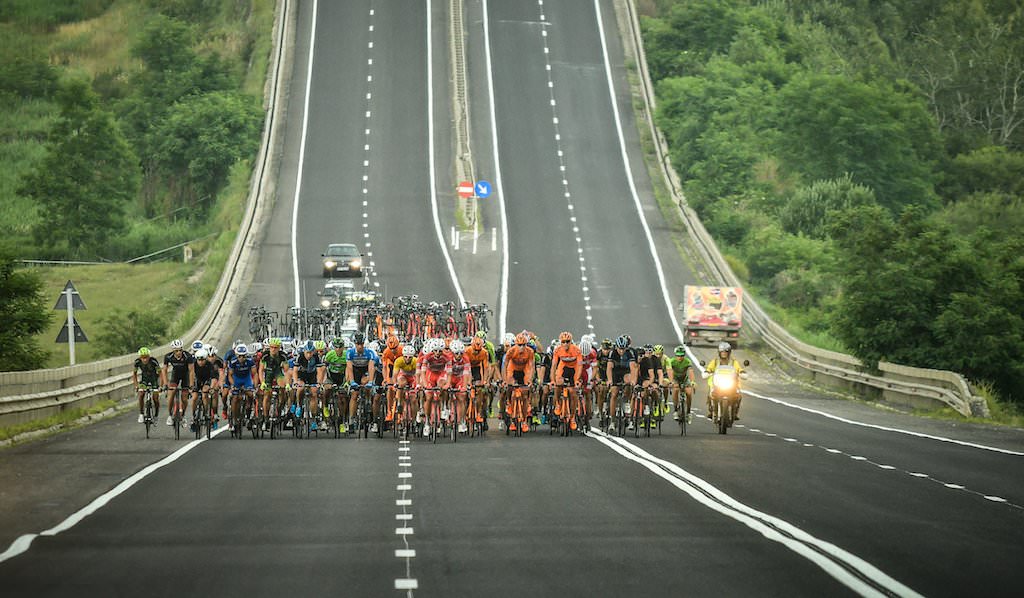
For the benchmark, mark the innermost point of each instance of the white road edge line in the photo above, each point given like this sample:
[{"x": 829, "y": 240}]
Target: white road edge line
[
  {"x": 797, "y": 540},
  {"x": 302, "y": 158},
  {"x": 23, "y": 542},
  {"x": 853, "y": 422},
  {"x": 629, "y": 176},
  {"x": 498, "y": 186},
  {"x": 433, "y": 169}
]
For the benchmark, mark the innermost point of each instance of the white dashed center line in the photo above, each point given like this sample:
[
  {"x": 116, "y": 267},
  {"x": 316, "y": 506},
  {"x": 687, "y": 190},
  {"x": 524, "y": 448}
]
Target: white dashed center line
[{"x": 404, "y": 519}]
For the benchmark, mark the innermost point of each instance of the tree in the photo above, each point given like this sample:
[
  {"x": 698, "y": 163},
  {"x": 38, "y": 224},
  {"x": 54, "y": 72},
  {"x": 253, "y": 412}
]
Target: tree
[
  {"x": 24, "y": 314},
  {"x": 884, "y": 138},
  {"x": 87, "y": 176},
  {"x": 124, "y": 332},
  {"x": 811, "y": 208}
]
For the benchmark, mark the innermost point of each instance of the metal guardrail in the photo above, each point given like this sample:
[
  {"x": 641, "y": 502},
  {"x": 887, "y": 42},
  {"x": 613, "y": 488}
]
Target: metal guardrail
[
  {"x": 32, "y": 394},
  {"x": 896, "y": 382}
]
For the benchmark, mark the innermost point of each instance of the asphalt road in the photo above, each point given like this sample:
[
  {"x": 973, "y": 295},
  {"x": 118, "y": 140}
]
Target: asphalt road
[{"x": 793, "y": 501}]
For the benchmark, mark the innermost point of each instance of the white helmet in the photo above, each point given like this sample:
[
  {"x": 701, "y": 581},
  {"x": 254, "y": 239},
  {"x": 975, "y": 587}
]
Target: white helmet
[
  {"x": 586, "y": 346},
  {"x": 508, "y": 338},
  {"x": 241, "y": 349},
  {"x": 724, "y": 347},
  {"x": 201, "y": 354},
  {"x": 408, "y": 351},
  {"x": 457, "y": 347},
  {"x": 211, "y": 350},
  {"x": 436, "y": 344},
  {"x": 177, "y": 344},
  {"x": 196, "y": 345},
  {"x": 257, "y": 347}
]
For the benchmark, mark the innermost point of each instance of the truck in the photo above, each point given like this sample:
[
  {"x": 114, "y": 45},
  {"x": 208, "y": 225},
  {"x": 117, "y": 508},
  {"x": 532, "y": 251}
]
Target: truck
[{"x": 712, "y": 314}]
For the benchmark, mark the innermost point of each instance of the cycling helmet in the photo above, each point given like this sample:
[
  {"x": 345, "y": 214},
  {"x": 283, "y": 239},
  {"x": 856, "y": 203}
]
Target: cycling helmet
[
  {"x": 257, "y": 347},
  {"x": 176, "y": 344},
  {"x": 338, "y": 342},
  {"x": 201, "y": 354},
  {"x": 358, "y": 338},
  {"x": 436, "y": 345},
  {"x": 606, "y": 343},
  {"x": 212, "y": 350},
  {"x": 659, "y": 349},
  {"x": 392, "y": 342},
  {"x": 319, "y": 345},
  {"x": 622, "y": 342},
  {"x": 241, "y": 349},
  {"x": 648, "y": 348},
  {"x": 408, "y": 351},
  {"x": 275, "y": 342},
  {"x": 565, "y": 337},
  {"x": 196, "y": 345},
  {"x": 680, "y": 351},
  {"x": 143, "y": 351},
  {"x": 586, "y": 346},
  {"x": 724, "y": 347},
  {"x": 481, "y": 334},
  {"x": 457, "y": 347},
  {"x": 521, "y": 339}
]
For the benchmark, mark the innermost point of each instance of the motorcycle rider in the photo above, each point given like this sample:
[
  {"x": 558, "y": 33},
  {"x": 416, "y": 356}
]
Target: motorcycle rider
[{"x": 724, "y": 357}]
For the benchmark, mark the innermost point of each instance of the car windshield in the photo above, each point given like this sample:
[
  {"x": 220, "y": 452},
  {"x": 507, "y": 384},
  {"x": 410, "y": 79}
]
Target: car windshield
[{"x": 342, "y": 250}]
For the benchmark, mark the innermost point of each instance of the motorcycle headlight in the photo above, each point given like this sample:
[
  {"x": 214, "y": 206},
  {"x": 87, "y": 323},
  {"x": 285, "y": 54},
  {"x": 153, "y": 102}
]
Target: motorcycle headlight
[
  {"x": 724, "y": 382},
  {"x": 356, "y": 263},
  {"x": 330, "y": 264}
]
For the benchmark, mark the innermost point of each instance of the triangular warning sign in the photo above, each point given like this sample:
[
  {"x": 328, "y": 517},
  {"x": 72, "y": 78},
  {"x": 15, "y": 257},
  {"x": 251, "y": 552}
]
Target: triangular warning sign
[
  {"x": 62, "y": 300},
  {"x": 62, "y": 336}
]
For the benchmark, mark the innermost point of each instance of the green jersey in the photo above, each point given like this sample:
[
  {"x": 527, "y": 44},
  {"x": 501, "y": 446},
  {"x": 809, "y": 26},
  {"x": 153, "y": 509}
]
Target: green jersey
[
  {"x": 335, "y": 361},
  {"x": 679, "y": 366}
]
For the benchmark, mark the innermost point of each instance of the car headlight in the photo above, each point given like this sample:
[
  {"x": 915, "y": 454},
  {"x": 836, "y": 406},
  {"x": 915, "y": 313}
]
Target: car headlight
[
  {"x": 325, "y": 302},
  {"x": 330, "y": 264},
  {"x": 356, "y": 263}
]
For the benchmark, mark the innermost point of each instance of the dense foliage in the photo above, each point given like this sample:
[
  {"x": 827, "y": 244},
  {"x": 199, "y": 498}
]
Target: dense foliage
[
  {"x": 863, "y": 162},
  {"x": 24, "y": 312},
  {"x": 133, "y": 159}
]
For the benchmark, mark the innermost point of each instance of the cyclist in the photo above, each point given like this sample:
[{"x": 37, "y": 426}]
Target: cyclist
[
  {"x": 153, "y": 376},
  {"x": 489, "y": 346},
  {"x": 459, "y": 377},
  {"x": 622, "y": 370},
  {"x": 179, "y": 372},
  {"x": 680, "y": 372},
  {"x": 724, "y": 357},
  {"x": 519, "y": 368},
  {"x": 206, "y": 375},
  {"x": 567, "y": 368},
  {"x": 604, "y": 354},
  {"x": 309, "y": 373},
  {"x": 360, "y": 369},
  {"x": 273, "y": 372},
  {"x": 650, "y": 376},
  {"x": 336, "y": 364},
  {"x": 240, "y": 372},
  {"x": 434, "y": 369},
  {"x": 542, "y": 360},
  {"x": 480, "y": 370},
  {"x": 666, "y": 380},
  {"x": 587, "y": 377},
  {"x": 404, "y": 378}
]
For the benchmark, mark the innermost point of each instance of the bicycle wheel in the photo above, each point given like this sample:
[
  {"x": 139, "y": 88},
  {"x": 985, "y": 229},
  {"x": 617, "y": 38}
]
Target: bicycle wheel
[{"x": 148, "y": 417}]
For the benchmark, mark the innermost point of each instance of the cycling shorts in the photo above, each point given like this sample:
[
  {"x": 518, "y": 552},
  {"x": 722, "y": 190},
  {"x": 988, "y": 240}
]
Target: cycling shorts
[
  {"x": 307, "y": 379},
  {"x": 619, "y": 375},
  {"x": 568, "y": 377},
  {"x": 337, "y": 379},
  {"x": 430, "y": 379},
  {"x": 359, "y": 373},
  {"x": 519, "y": 376},
  {"x": 178, "y": 376},
  {"x": 409, "y": 378},
  {"x": 458, "y": 383},
  {"x": 476, "y": 373},
  {"x": 243, "y": 383}
]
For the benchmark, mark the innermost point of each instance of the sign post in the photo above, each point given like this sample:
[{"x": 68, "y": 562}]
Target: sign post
[{"x": 70, "y": 301}]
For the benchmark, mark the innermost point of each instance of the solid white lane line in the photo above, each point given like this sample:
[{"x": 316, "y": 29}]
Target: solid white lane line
[
  {"x": 430, "y": 151},
  {"x": 22, "y": 543},
  {"x": 498, "y": 186},
  {"x": 302, "y": 158},
  {"x": 884, "y": 428},
  {"x": 849, "y": 569},
  {"x": 629, "y": 178}
]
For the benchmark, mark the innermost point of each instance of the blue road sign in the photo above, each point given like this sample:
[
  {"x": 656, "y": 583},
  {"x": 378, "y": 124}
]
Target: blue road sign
[{"x": 482, "y": 189}]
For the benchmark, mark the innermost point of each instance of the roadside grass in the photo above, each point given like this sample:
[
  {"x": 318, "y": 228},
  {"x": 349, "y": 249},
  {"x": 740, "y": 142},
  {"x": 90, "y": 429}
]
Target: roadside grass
[
  {"x": 101, "y": 44},
  {"x": 62, "y": 420},
  {"x": 159, "y": 286}
]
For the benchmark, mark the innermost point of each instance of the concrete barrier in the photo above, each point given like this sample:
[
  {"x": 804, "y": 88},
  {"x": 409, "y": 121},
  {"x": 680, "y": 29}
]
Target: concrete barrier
[
  {"x": 30, "y": 395},
  {"x": 916, "y": 387}
]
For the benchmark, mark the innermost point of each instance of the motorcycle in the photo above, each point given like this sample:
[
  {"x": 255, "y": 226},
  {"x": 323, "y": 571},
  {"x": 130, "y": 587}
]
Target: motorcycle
[{"x": 725, "y": 394}]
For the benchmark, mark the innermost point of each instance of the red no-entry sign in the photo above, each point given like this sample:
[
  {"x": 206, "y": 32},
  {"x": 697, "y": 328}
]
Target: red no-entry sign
[{"x": 465, "y": 189}]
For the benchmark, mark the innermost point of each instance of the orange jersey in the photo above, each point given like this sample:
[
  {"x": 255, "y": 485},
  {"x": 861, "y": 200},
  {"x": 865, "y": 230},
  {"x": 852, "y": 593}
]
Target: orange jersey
[
  {"x": 478, "y": 358},
  {"x": 566, "y": 357},
  {"x": 388, "y": 357},
  {"x": 519, "y": 358}
]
